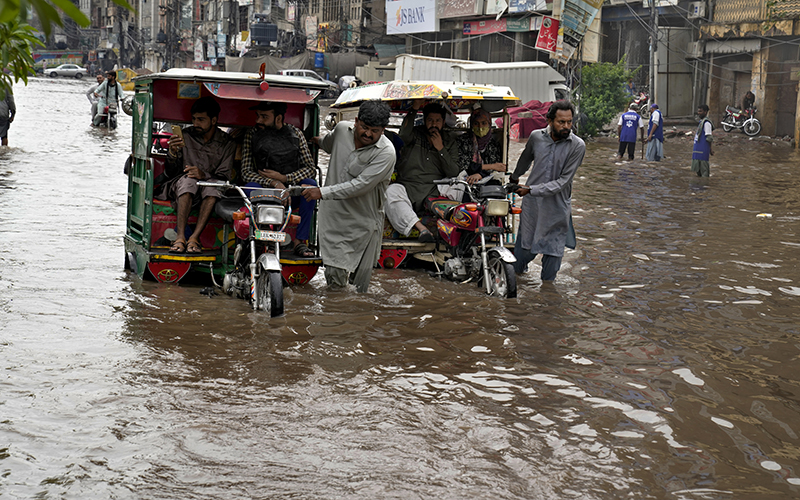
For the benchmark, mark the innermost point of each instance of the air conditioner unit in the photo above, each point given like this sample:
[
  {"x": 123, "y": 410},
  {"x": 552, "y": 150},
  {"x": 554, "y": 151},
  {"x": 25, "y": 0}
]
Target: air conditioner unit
[
  {"x": 694, "y": 50},
  {"x": 697, "y": 10}
]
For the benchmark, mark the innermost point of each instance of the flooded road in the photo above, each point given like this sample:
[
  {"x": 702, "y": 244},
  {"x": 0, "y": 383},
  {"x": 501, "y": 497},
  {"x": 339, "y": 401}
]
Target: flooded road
[{"x": 661, "y": 364}]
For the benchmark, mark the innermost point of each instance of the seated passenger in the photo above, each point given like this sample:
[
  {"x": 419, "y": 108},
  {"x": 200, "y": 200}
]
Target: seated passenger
[
  {"x": 275, "y": 154},
  {"x": 203, "y": 153},
  {"x": 479, "y": 153},
  {"x": 428, "y": 154}
]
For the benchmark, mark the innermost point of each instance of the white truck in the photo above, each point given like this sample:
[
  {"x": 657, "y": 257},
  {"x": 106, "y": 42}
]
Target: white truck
[{"x": 528, "y": 80}]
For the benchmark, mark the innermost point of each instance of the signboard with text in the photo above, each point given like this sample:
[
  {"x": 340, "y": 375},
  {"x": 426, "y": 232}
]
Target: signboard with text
[
  {"x": 548, "y": 34},
  {"x": 411, "y": 16},
  {"x": 485, "y": 26}
]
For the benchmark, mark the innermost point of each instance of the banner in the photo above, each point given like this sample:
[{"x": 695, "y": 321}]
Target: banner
[
  {"x": 519, "y": 24},
  {"x": 311, "y": 32},
  {"x": 548, "y": 34},
  {"x": 526, "y": 6},
  {"x": 484, "y": 27},
  {"x": 198, "y": 50},
  {"x": 575, "y": 20},
  {"x": 411, "y": 16}
]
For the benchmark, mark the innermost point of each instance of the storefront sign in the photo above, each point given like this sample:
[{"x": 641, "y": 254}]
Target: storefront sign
[
  {"x": 526, "y": 6},
  {"x": 484, "y": 27},
  {"x": 548, "y": 34},
  {"x": 459, "y": 8},
  {"x": 411, "y": 16}
]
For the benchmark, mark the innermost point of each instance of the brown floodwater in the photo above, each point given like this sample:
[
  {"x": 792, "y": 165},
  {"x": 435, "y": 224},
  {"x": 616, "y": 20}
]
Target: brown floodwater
[{"x": 662, "y": 363}]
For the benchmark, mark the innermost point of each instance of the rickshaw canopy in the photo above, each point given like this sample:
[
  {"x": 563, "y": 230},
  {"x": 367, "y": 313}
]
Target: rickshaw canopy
[{"x": 459, "y": 97}]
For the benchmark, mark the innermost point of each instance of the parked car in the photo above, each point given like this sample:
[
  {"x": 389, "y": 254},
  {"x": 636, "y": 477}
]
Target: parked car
[
  {"x": 66, "y": 70},
  {"x": 333, "y": 89}
]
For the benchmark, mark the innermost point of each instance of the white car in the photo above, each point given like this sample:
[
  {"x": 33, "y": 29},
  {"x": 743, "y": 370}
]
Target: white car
[
  {"x": 66, "y": 70},
  {"x": 333, "y": 89}
]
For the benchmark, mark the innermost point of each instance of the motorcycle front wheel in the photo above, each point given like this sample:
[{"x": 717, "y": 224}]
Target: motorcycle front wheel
[
  {"x": 752, "y": 127},
  {"x": 503, "y": 279},
  {"x": 269, "y": 288}
]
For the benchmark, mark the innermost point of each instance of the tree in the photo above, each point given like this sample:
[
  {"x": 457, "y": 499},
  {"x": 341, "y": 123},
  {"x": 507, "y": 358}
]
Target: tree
[
  {"x": 602, "y": 93},
  {"x": 16, "y": 36}
]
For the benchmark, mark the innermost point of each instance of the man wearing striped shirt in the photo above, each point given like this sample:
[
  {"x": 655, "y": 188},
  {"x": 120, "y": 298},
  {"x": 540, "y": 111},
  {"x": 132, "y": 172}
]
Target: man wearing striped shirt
[{"x": 275, "y": 154}]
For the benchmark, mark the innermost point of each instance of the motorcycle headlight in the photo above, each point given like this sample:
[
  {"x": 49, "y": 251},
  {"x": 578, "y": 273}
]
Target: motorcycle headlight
[
  {"x": 269, "y": 214},
  {"x": 497, "y": 207}
]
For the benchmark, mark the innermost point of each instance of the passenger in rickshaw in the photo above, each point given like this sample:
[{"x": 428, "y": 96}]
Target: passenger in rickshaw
[
  {"x": 204, "y": 152},
  {"x": 479, "y": 153},
  {"x": 275, "y": 154},
  {"x": 429, "y": 154}
]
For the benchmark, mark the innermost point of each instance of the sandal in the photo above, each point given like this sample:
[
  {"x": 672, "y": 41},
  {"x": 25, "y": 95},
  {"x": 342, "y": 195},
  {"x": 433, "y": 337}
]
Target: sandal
[
  {"x": 302, "y": 250},
  {"x": 425, "y": 237},
  {"x": 179, "y": 246},
  {"x": 193, "y": 247}
]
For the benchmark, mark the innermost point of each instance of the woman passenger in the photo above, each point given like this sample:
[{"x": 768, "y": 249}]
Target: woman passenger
[{"x": 479, "y": 153}]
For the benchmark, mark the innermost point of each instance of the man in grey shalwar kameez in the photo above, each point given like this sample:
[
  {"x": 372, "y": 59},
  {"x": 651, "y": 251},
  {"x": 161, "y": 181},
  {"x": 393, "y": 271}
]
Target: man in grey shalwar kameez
[
  {"x": 351, "y": 212},
  {"x": 546, "y": 220}
]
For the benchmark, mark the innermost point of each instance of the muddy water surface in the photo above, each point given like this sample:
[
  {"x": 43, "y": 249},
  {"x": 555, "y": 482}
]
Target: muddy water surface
[{"x": 661, "y": 364}]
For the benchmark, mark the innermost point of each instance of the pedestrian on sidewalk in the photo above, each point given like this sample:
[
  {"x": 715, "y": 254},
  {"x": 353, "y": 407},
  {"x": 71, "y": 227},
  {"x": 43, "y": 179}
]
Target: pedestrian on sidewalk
[
  {"x": 702, "y": 150},
  {"x": 655, "y": 135},
  {"x": 629, "y": 123}
]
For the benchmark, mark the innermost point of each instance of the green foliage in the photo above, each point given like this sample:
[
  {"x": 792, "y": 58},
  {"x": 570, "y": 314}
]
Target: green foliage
[
  {"x": 602, "y": 93},
  {"x": 17, "y": 41}
]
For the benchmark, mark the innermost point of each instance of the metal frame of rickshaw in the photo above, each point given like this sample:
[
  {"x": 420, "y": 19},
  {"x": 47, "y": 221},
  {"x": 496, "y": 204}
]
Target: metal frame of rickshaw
[
  {"x": 167, "y": 98},
  {"x": 458, "y": 97}
]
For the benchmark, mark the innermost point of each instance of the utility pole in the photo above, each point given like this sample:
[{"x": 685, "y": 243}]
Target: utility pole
[{"x": 653, "y": 46}]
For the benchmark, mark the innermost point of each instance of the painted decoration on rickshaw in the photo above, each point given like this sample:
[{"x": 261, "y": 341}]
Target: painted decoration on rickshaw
[
  {"x": 142, "y": 103},
  {"x": 188, "y": 90},
  {"x": 299, "y": 274},
  {"x": 391, "y": 258},
  {"x": 411, "y": 91},
  {"x": 168, "y": 272}
]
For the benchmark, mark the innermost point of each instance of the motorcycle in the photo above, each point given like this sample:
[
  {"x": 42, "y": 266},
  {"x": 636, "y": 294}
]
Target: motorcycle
[
  {"x": 260, "y": 229},
  {"x": 641, "y": 101},
  {"x": 108, "y": 116},
  {"x": 744, "y": 119},
  {"x": 472, "y": 236}
]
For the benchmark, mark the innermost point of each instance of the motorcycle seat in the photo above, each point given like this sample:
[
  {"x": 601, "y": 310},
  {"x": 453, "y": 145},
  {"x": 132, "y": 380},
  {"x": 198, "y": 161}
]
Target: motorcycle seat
[
  {"x": 731, "y": 109},
  {"x": 226, "y": 206}
]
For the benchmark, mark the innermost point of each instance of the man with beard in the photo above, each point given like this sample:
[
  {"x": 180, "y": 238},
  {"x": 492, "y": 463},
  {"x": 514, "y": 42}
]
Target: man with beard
[
  {"x": 546, "y": 221},
  {"x": 94, "y": 98},
  {"x": 202, "y": 153},
  {"x": 351, "y": 211},
  {"x": 275, "y": 154},
  {"x": 108, "y": 91},
  {"x": 428, "y": 155}
]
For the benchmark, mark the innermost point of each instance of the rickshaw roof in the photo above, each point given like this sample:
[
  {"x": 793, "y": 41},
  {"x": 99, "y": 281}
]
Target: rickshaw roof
[
  {"x": 458, "y": 96},
  {"x": 247, "y": 86},
  {"x": 210, "y": 76}
]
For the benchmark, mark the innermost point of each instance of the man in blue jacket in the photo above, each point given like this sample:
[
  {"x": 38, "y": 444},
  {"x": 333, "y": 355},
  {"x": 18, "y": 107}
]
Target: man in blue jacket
[
  {"x": 629, "y": 123},
  {"x": 655, "y": 135},
  {"x": 701, "y": 150}
]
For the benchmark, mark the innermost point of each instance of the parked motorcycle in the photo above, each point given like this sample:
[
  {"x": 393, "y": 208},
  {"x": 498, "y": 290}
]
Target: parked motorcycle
[
  {"x": 744, "y": 119},
  {"x": 260, "y": 230},
  {"x": 472, "y": 235},
  {"x": 641, "y": 101}
]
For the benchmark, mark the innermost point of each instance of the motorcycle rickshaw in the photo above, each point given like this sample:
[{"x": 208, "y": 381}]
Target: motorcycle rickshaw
[
  {"x": 165, "y": 99},
  {"x": 472, "y": 235}
]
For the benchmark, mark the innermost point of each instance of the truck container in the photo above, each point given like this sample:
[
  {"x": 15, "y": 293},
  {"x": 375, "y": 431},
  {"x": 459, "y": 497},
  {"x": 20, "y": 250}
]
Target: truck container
[
  {"x": 411, "y": 67},
  {"x": 529, "y": 80}
]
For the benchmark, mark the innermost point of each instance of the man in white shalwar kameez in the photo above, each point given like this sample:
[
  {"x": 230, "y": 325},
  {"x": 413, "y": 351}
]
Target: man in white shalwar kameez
[
  {"x": 546, "y": 220},
  {"x": 351, "y": 212}
]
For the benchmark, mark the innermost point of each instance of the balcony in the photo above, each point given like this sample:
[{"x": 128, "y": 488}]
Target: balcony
[{"x": 744, "y": 11}]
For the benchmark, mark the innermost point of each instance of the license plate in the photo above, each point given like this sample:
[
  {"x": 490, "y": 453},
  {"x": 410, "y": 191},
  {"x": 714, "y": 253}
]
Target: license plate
[{"x": 271, "y": 236}]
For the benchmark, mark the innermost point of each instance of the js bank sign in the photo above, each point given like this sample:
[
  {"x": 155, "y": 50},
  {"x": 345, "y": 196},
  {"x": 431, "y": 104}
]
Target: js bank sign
[{"x": 410, "y": 16}]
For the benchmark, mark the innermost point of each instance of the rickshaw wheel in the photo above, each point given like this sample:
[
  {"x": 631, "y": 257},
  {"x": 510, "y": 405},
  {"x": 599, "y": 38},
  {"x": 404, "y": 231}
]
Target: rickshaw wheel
[
  {"x": 269, "y": 286},
  {"x": 503, "y": 279}
]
